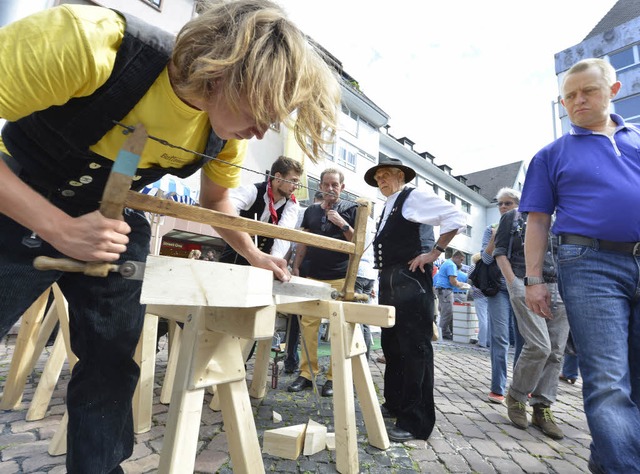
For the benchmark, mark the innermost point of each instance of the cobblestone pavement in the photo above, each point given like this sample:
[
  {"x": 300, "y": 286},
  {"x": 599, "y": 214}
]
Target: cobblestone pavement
[{"x": 471, "y": 434}]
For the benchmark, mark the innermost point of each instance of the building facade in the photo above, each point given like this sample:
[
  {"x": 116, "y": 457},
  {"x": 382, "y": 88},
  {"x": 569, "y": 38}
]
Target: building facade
[{"x": 616, "y": 38}]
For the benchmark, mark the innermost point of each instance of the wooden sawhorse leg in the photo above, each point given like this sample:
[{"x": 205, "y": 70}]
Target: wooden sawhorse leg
[
  {"x": 23, "y": 353},
  {"x": 209, "y": 358}
]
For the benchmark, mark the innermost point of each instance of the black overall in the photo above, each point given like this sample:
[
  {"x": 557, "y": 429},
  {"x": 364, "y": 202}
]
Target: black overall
[
  {"x": 50, "y": 152},
  {"x": 408, "y": 376}
]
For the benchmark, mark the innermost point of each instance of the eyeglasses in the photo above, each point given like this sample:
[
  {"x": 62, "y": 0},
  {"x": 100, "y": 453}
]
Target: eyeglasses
[
  {"x": 505, "y": 203},
  {"x": 325, "y": 224}
]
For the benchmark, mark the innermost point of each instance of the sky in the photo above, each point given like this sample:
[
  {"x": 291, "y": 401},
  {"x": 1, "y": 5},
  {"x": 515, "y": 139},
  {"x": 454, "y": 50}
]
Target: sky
[{"x": 471, "y": 82}]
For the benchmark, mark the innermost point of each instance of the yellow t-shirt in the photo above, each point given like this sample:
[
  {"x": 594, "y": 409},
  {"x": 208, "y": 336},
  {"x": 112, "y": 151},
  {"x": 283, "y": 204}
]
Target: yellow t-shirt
[{"x": 69, "y": 51}]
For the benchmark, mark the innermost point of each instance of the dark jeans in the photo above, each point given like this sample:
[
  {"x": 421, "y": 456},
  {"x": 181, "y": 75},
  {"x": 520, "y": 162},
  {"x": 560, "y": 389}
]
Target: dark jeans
[
  {"x": 105, "y": 322},
  {"x": 365, "y": 286},
  {"x": 409, "y": 372}
]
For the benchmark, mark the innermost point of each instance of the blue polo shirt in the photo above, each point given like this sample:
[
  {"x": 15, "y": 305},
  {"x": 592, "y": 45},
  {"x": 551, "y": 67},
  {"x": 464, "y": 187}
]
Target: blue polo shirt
[
  {"x": 447, "y": 269},
  {"x": 591, "y": 181}
]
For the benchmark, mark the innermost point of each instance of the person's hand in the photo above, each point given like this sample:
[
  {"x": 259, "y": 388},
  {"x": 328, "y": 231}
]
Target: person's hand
[
  {"x": 465, "y": 286},
  {"x": 335, "y": 218},
  {"x": 421, "y": 260},
  {"x": 90, "y": 238},
  {"x": 275, "y": 264},
  {"x": 538, "y": 300}
]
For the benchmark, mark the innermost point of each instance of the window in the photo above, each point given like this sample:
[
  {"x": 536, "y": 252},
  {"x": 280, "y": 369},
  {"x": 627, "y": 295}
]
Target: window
[
  {"x": 629, "y": 108},
  {"x": 466, "y": 207},
  {"x": 346, "y": 155},
  {"x": 467, "y": 231},
  {"x": 449, "y": 197},
  {"x": 349, "y": 121},
  {"x": 625, "y": 58}
]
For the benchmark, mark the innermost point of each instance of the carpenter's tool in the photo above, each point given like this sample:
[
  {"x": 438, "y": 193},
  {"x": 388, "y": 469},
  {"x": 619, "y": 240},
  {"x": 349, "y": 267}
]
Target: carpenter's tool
[
  {"x": 306, "y": 289},
  {"x": 129, "y": 269},
  {"x": 112, "y": 203},
  {"x": 132, "y": 270}
]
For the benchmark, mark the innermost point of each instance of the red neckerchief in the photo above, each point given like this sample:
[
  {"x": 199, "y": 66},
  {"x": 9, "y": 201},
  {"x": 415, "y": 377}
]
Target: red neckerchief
[{"x": 272, "y": 207}]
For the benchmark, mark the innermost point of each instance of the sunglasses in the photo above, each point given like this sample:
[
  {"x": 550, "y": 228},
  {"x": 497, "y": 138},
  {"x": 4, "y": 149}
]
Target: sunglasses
[{"x": 325, "y": 224}]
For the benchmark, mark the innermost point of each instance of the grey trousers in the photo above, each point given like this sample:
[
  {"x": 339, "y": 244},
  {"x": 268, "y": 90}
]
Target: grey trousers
[
  {"x": 540, "y": 362},
  {"x": 445, "y": 308}
]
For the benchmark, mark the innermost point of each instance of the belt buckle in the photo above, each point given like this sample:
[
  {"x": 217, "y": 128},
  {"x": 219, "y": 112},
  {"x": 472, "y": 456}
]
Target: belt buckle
[{"x": 636, "y": 249}]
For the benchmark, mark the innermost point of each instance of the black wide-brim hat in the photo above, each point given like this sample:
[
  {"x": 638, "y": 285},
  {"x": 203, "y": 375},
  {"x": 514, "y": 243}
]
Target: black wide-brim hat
[{"x": 388, "y": 162}]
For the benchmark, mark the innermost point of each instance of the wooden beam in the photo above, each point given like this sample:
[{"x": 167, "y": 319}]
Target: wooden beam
[
  {"x": 171, "y": 208},
  {"x": 359, "y": 239},
  {"x": 376, "y": 315}
]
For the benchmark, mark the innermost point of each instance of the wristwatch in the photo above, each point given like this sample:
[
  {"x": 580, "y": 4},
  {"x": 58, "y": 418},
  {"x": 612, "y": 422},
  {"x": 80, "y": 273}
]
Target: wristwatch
[
  {"x": 528, "y": 281},
  {"x": 440, "y": 249},
  {"x": 345, "y": 227}
]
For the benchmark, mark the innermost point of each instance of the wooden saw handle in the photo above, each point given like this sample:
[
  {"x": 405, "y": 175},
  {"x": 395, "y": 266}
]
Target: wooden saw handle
[{"x": 71, "y": 265}]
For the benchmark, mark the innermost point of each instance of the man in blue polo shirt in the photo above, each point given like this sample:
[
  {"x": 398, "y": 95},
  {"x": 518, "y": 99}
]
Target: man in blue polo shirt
[
  {"x": 445, "y": 281},
  {"x": 579, "y": 177}
]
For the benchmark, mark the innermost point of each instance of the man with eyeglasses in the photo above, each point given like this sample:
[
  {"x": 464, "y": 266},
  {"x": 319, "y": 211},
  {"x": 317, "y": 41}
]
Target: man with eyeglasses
[
  {"x": 269, "y": 201},
  {"x": 333, "y": 218}
]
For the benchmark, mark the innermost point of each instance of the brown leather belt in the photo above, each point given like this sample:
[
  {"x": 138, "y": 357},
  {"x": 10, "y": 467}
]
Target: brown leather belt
[{"x": 632, "y": 248}]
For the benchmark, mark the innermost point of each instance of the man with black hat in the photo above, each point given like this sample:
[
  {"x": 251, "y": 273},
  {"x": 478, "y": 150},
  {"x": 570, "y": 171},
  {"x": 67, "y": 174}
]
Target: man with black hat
[{"x": 408, "y": 377}]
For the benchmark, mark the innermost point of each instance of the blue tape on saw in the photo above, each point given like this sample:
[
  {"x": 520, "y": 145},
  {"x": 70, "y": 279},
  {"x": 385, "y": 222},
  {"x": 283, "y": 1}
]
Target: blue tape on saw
[{"x": 126, "y": 163}]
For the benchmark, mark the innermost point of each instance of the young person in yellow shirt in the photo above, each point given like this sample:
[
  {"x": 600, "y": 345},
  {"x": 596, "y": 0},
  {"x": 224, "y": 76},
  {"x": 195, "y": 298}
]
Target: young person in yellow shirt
[{"x": 68, "y": 73}]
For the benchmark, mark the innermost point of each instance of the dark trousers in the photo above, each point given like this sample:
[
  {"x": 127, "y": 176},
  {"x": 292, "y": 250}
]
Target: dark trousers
[
  {"x": 409, "y": 372},
  {"x": 292, "y": 362},
  {"x": 105, "y": 322}
]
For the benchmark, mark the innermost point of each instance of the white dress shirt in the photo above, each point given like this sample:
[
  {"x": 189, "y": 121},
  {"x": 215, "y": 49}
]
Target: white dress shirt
[{"x": 244, "y": 197}]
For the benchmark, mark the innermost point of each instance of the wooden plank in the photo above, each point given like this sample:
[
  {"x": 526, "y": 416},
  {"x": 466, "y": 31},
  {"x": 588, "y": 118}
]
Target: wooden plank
[
  {"x": 373, "y": 421},
  {"x": 171, "y": 208},
  {"x": 240, "y": 428},
  {"x": 58, "y": 444},
  {"x": 216, "y": 359},
  {"x": 258, "y": 387},
  {"x": 315, "y": 438},
  {"x": 22, "y": 355},
  {"x": 175, "y": 339},
  {"x": 285, "y": 442},
  {"x": 48, "y": 380},
  {"x": 187, "y": 282},
  {"x": 62, "y": 308},
  {"x": 344, "y": 413},
  {"x": 46, "y": 329},
  {"x": 247, "y": 323},
  {"x": 180, "y": 442},
  {"x": 376, "y": 315},
  {"x": 145, "y": 356}
]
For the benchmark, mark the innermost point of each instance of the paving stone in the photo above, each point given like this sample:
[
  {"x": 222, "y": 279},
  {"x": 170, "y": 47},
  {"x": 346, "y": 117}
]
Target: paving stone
[
  {"x": 529, "y": 463},
  {"x": 471, "y": 434}
]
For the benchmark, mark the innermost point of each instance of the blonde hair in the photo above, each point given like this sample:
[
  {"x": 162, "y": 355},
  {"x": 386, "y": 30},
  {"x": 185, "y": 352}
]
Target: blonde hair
[
  {"x": 250, "y": 49},
  {"x": 606, "y": 69}
]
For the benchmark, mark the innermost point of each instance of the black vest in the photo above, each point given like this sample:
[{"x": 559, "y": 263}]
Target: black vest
[
  {"x": 399, "y": 241},
  {"x": 51, "y": 146},
  {"x": 264, "y": 243}
]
